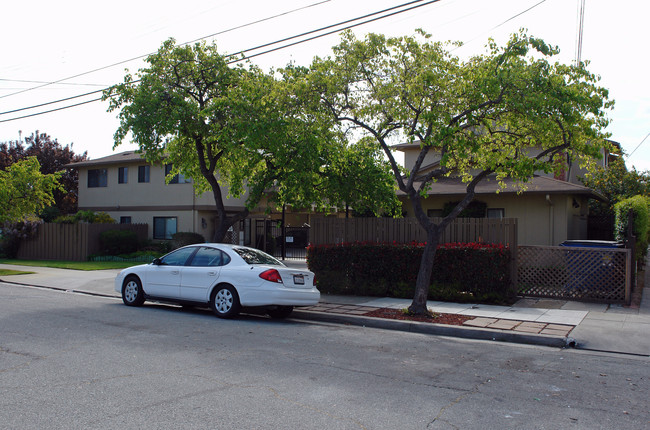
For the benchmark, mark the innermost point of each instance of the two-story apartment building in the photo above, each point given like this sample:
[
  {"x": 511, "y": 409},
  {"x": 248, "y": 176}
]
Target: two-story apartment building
[
  {"x": 549, "y": 210},
  {"x": 131, "y": 190}
]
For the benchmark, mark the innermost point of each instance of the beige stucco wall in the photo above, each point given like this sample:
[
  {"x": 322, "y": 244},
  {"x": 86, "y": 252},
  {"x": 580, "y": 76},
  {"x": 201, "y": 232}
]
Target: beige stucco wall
[
  {"x": 134, "y": 194},
  {"x": 144, "y": 201},
  {"x": 540, "y": 221}
]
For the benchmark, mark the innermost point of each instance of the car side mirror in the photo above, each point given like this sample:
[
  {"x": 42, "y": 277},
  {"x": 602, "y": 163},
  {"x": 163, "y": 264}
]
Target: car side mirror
[{"x": 156, "y": 262}]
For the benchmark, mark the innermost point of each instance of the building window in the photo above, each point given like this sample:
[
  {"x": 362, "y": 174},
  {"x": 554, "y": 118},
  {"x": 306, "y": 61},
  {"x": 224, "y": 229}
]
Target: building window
[
  {"x": 164, "y": 227},
  {"x": 177, "y": 179},
  {"x": 434, "y": 213},
  {"x": 143, "y": 174},
  {"x": 125, "y": 220},
  {"x": 498, "y": 213},
  {"x": 122, "y": 175},
  {"x": 97, "y": 178}
]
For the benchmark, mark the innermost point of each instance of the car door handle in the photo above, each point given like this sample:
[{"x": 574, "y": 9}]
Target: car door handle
[
  {"x": 212, "y": 273},
  {"x": 175, "y": 272}
]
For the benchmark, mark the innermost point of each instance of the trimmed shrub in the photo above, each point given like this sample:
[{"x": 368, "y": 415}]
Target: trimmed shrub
[
  {"x": 89, "y": 217},
  {"x": 186, "y": 238},
  {"x": 462, "y": 272},
  {"x": 116, "y": 242}
]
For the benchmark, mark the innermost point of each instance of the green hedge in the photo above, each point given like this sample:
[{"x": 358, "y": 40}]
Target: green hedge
[
  {"x": 461, "y": 272},
  {"x": 116, "y": 242},
  {"x": 640, "y": 213}
]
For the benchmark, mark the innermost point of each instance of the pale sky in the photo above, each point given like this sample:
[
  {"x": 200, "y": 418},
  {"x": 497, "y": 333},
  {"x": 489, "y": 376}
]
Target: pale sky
[{"x": 45, "y": 41}]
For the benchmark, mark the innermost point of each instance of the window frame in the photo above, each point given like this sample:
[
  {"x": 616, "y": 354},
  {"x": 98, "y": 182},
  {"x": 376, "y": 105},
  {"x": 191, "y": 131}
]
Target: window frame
[
  {"x": 165, "y": 236},
  {"x": 501, "y": 212},
  {"x": 144, "y": 174},
  {"x": 97, "y": 178},
  {"x": 178, "y": 178},
  {"x": 123, "y": 175}
]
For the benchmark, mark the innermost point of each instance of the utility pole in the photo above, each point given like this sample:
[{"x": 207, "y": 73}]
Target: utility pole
[{"x": 581, "y": 21}]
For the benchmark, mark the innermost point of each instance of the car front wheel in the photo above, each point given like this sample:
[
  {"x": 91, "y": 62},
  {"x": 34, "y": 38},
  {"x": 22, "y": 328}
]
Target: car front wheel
[
  {"x": 225, "y": 301},
  {"x": 132, "y": 294}
]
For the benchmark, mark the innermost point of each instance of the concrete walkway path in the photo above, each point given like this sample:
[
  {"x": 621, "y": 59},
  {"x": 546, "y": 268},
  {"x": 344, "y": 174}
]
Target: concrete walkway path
[{"x": 602, "y": 327}]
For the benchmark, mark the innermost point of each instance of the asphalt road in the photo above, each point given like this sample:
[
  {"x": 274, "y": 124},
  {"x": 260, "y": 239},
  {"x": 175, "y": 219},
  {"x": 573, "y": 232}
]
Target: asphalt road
[{"x": 74, "y": 361}]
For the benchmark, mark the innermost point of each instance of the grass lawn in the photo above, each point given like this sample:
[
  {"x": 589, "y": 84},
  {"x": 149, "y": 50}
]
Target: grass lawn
[
  {"x": 74, "y": 265},
  {"x": 7, "y": 272}
]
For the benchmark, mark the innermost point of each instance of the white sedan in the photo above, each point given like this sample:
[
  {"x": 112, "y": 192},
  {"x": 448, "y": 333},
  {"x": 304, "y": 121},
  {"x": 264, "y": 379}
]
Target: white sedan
[{"x": 225, "y": 277}]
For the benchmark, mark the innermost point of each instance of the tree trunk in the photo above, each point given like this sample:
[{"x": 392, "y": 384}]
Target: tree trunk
[
  {"x": 224, "y": 223},
  {"x": 419, "y": 304}
]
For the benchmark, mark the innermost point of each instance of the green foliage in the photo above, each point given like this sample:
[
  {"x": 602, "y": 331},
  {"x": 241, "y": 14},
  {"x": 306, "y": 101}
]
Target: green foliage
[
  {"x": 116, "y": 242},
  {"x": 638, "y": 205},
  {"x": 615, "y": 182},
  {"x": 24, "y": 190},
  {"x": 50, "y": 213},
  {"x": 359, "y": 177},
  {"x": 473, "y": 118},
  {"x": 89, "y": 217},
  {"x": 464, "y": 272},
  {"x": 186, "y": 238},
  {"x": 236, "y": 126},
  {"x": 52, "y": 157}
]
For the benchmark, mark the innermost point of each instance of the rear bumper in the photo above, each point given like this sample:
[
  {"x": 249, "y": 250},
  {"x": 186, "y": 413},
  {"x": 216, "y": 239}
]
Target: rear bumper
[{"x": 280, "y": 296}]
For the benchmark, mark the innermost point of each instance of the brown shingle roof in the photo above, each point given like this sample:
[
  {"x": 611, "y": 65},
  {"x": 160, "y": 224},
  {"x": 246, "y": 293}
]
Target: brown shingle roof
[
  {"x": 537, "y": 185},
  {"x": 122, "y": 157}
]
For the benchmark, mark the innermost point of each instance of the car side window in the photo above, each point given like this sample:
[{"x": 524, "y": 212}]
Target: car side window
[
  {"x": 209, "y": 257},
  {"x": 178, "y": 257}
]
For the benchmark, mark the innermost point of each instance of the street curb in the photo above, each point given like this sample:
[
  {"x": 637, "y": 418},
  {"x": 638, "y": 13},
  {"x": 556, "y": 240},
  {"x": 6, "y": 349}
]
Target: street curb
[
  {"x": 463, "y": 332},
  {"x": 436, "y": 329}
]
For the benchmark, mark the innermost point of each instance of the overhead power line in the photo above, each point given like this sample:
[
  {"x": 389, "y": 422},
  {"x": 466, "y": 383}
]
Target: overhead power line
[
  {"x": 186, "y": 43},
  {"x": 637, "y": 147},
  {"x": 343, "y": 25}
]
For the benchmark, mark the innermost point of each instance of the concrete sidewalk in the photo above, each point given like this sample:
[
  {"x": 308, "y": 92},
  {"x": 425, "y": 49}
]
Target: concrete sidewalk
[{"x": 601, "y": 327}]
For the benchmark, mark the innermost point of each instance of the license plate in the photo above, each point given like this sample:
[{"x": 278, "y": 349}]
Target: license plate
[{"x": 299, "y": 279}]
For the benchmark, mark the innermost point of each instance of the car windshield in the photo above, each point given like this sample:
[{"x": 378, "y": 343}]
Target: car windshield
[{"x": 253, "y": 256}]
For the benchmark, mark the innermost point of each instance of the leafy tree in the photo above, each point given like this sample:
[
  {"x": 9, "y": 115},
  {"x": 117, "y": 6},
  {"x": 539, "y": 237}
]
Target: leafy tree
[
  {"x": 361, "y": 178},
  {"x": 616, "y": 183},
  {"x": 506, "y": 113},
  {"x": 220, "y": 124},
  {"x": 52, "y": 157},
  {"x": 24, "y": 190}
]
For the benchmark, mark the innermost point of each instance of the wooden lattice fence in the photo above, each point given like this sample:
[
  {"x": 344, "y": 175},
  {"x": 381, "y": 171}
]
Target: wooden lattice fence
[{"x": 588, "y": 274}]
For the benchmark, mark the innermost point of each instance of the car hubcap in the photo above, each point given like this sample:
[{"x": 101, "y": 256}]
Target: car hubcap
[
  {"x": 131, "y": 291},
  {"x": 223, "y": 301}
]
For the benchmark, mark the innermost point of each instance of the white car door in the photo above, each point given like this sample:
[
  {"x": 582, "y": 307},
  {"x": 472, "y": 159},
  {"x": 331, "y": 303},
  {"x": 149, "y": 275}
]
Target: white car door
[
  {"x": 201, "y": 274},
  {"x": 164, "y": 279}
]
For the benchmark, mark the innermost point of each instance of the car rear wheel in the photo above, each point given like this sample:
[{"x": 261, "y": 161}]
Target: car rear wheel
[
  {"x": 224, "y": 301},
  {"x": 280, "y": 312},
  {"x": 132, "y": 294}
]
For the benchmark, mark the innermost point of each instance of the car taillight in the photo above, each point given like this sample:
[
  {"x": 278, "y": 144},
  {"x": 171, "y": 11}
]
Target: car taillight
[{"x": 271, "y": 275}]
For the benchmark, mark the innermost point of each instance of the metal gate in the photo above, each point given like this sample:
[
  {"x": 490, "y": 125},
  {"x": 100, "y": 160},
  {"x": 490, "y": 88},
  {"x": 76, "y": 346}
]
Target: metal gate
[{"x": 288, "y": 242}]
